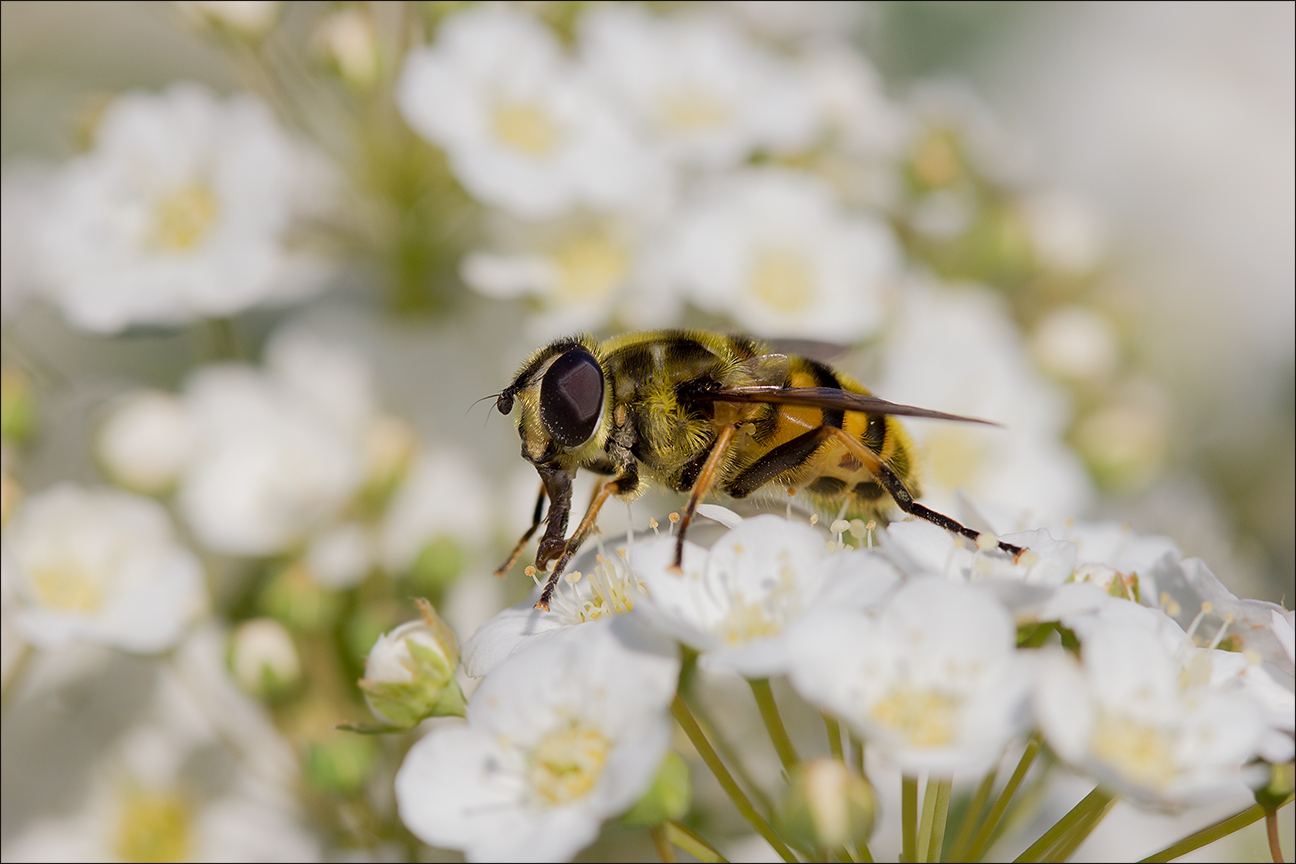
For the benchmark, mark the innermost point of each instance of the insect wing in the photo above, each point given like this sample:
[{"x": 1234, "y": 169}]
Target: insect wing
[
  {"x": 767, "y": 370},
  {"x": 829, "y": 399}
]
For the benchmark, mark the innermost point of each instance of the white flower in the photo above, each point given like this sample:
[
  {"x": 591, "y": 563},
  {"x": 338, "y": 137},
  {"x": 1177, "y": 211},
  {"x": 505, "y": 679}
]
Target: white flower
[
  {"x": 263, "y": 658},
  {"x": 441, "y": 497},
  {"x": 958, "y": 351},
  {"x": 696, "y": 85},
  {"x": 934, "y": 679},
  {"x": 146, "y": 441},
  {"x": 772, "y": 249},
  {"x": 1077, "y": 343},
  {"x": 918, "y": 547},
  {"x": 523, "y": 130},
  {"x": 339, "y": 557},
  {"x": 594, "y": 587},
  {"x": 1134, "y": 717},
  {"x": 180, "y": 211},
  {"x": 558, "y": 739},
  {"x": 736, "y": 602},
  {"x": 265, "y": 472},
  {"x": 101, "y": 566}
]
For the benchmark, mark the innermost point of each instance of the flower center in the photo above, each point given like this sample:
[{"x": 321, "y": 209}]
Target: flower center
[
  {"x": 68, "y": 585},
  {"x": 154, "y": 828},
  {"x": 954, "y": 458},
  {"x": 183, "y": 217},
  {"x": 567, "y": 763},
  {"x": 1142, "y": 754},
  {"x": 747, "y": 621},
  {"x": 589, "y": 266},
  {"x": 691, "y": 110},
  {"x": 525, "y": 127},
  {"x": 926, "y": 718},
  {"x": 783, "y": 280},
  {"x": 609, "y": 590}
]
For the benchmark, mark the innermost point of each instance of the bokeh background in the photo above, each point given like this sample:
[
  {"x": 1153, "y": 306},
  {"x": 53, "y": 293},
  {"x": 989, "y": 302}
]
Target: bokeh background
[{"x": 1085, "y": 215}]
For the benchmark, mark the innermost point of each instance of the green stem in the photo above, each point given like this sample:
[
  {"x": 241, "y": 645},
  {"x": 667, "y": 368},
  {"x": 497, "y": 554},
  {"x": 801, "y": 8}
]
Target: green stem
[
  {"x": 982, "y": 838},
  {"x": 660, "y": 841},
  {"x": 225, "y": 343},
  {"x": 1071, "y": 841},
  {"x": 857, "y": 754},
  {"x": 940, "y": 813},
  {"x": 740, "y": 801},
  {"x": 834, "y": 738},
  {"x": 1211, "y": 833},
  {"x": 909, "y": 818},
  {"x": 1088, "y": 806},
  {"x": 1271, "y": 829},
  {"x": 692, "y": 843},
  {"x": 969, "y": 821},
  {"x": 774, "y": 723},
  {"x": 925, "y": 821},
  {"x": 731, "y": 756}
]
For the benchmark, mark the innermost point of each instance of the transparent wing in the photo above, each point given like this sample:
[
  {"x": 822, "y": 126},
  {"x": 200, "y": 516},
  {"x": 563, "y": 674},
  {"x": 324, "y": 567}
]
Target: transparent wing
[{"x": 827, "y": 398}]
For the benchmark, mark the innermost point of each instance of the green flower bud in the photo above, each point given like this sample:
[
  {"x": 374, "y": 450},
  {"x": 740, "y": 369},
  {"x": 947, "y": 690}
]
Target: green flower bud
[
  {"x": 668, "y": 798},
  {"x": 302, "y": 604},
  {"x": 341, "y": 764},
  {"x": 17, "y": 405},
  {"x": 263, "y": 659},
  {"x": 827, "y": 805},
  {"x": 409, "y": 675}
]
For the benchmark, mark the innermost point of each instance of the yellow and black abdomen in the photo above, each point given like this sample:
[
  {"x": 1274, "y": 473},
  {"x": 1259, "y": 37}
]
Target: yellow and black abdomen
[{"x": 787, "y": 448}]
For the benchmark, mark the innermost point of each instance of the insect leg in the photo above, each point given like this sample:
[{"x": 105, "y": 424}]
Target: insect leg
[
  {"x": 705, "y": 477},
  {"x": 577, "y": 539},
  {"x": 896, "y": 489},
  {"x": 526, "y": 538}
]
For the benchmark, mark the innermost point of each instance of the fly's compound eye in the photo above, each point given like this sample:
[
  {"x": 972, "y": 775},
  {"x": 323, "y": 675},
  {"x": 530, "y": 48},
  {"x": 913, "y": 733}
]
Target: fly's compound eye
[{"x": 571, "y": 397}]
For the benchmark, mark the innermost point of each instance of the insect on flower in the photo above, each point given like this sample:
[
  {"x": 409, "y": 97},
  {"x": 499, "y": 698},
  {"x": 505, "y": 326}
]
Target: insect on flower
[{"x": 699, "y": 412}]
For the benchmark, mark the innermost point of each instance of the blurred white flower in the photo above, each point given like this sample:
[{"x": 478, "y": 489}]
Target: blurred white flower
[
  {"x": 146, "y": 441},
  {"x": 696, "y": 85},
  {"x": 262, "y": 657},
  {"x": 180, "y": 211},
  {"x": 1065, "y": 235},
  {"x": 266, "y": 471},
  {"x": 339, "y": 557},
  {"x": 934, "y": 680},
  {"x": 1077, "y": 343},
  {"x": 736, "y": 602},
  {"x": 1131, "y": 716},
  {"x": 773, "y": 250},
  {"x": 958, "y": 351},
  {"x": 558, "y": 739},
  {"x": 524, "y": 130},
  {"x": 594, "y": 587},
  {"x": 441, "y": 497},
  {"x": 101, "y": 566},
  {"x": 918, "y": 547},
  {"x": 24, "y": 198}
]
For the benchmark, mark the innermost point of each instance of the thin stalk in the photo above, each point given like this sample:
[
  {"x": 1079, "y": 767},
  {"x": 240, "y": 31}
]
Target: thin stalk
[
  {"x": 740, "y": 801},
  {"x": 909, "y": 818},
  {"x": 982, "y": 839},
  {"x": 1211, "y": 833},
  {"x": 940, "y": 813},
  {"x": 925, "y": 821},
  {"x": 1088, "y": 806},
  {"x": 774, "y": 723},
  {"x": 864, "y": 854},
  {"x": 664, "y": 850},
  {"x": 857, "y": 754},
  {"x": 692, "y": 843},
  {"x": 1271, "y": 828},
  {"x": 731, "y": 756},
  {"x": 1071, "y": 841},
  {"x": 834, "y": 738},
  {"x": 958, "y": 850}
]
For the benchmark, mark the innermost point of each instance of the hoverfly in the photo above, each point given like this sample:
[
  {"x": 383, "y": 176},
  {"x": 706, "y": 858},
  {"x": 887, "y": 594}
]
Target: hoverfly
[{"x": 697, "y": 412}]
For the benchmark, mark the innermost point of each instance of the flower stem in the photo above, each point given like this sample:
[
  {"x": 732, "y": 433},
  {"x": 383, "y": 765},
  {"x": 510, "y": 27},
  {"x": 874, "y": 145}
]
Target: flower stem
[
  {"x": 1091, "y": 804},
  {"x": 969, "y": 821},
  {"x": 774, "y": 723},
  {"x": 1271, "y": 828},
  {"x": 982, "y": 839},
  {"x": 731, "y": 756},
  {"x": 1211, "y": 833},
  {"x": 740, "y": 801},
  {"x": 664, "y": 850},
  {"x": 1072, "y": 839},
  {"x": 691, "y": 843},
  {"x": 857, "y": 754},
  {"x": 932, "y": 834},
  {"x": 834, "y": 738},
  {"x": 909, "y": 818}
]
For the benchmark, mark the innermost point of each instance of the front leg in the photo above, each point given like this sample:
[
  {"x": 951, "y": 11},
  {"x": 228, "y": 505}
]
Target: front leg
[
  {"x": 558, "y": 486},
  {"x": 623, "y": 485}
]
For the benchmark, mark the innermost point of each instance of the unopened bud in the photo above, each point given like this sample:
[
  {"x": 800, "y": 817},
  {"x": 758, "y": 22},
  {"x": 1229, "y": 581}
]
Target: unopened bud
[
  {"x": 409, "y": 675},
  {"x": 263, "y": 658},
  {"x": 827, "y": 805},
  {"x": 145, "y": 443}
]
